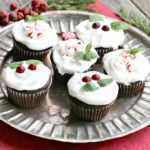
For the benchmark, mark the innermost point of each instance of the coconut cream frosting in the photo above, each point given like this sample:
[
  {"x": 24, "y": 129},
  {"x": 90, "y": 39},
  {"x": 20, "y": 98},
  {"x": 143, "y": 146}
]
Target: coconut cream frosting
[
  {"x": 63, "y": 56},
  {"x": 27, "y": 80},
  {"x": 101, "y": 96},
  {"x": 126, "y": 68},
  {"x": 37, "y": 35},
  {"x": 99, "y": 36}
]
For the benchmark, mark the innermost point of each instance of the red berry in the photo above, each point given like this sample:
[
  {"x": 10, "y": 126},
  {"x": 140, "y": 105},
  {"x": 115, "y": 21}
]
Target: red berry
[
  {"x": 32, "y": 67},
  {"x": 35, "y": 9},
  {"x": 20, "y": 69},
  {"x": 26, "y": 11},
  {"x": 43, "y": 6},
  {"x": 105, "y": 28},
  {"x": 35, "y": 3},
  {"x": 3, "y": 14},
  {"x": 95, "y": 25},
  {"x": 20, "y": 10},
  {"x": 31, "y": 13},
  {"x": 95, "y": 77},
  {"x": 13, "y": 6},
  {"x": 20, "y": 15},
  {"x": 4, "y": 22},
  {"x": 13, "y": 17},
  {"x": 86, "y": 79}
]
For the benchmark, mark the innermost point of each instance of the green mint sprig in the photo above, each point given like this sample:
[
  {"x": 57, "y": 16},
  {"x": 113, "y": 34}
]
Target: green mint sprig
[
  {"x": 89, "y": 87},
  {"x": 95, "y": 18},
  {"x": 35, "y": 17},
  {"x": 134, "y": 51},
  {"x": 88, "y": 55},
  {"x": 14, "y": 65},
  {"x": 117, "y": 26}
]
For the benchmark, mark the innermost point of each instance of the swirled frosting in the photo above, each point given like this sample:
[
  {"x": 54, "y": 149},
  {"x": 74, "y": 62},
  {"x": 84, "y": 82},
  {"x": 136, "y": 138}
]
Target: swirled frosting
[
  {"x": 99, "y": 37},
  {"x": 63, "y": 56},
  {"x": 102, "y": 96},
  {"x": 36, "y": 35},
  {"x": 28, "y": 80},
  {"x": 126, "y": 68}
]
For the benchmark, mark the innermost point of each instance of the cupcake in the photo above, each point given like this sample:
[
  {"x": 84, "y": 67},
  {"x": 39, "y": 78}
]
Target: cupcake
[
  {"x": 72, "y": 56},
  {"x": 27, "y": 82},
  {"x": 91, "y": 94},
  {"x": 129, "y": 68},
  {"x": 105, "y": 34},
  {"x": 33, "y": 38}
]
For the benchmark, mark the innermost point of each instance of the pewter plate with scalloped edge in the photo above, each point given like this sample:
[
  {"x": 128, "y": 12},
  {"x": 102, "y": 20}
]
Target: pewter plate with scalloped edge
[{"x": 52, "y": 119}]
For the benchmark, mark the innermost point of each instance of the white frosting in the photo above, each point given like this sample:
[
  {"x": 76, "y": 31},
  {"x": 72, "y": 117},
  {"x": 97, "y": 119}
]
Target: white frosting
[
  {"x": 124, "y": 68},
  {"x": 102, "y": 96},
  {"x": 98, "y": 37},
  {"x": 47, "y": 38},
  {"x": 63, "y": 56},
  {"x": 28, "y": 80}
]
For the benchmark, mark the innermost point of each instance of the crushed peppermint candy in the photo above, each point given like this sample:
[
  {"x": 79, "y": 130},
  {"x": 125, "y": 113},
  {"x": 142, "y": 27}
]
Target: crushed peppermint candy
[{"x": 68, "y": 35}]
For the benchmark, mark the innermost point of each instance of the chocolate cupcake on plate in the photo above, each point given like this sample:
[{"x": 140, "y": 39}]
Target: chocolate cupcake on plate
[
  {"x": 129, "y": 68},
  {"x": 33, "y": 38},
  {"x": 105, "y": 34},
  {"x": 73, "y": 56},
  {"x": 27, "y": 82},
  {"x": 91, "y": 94}
]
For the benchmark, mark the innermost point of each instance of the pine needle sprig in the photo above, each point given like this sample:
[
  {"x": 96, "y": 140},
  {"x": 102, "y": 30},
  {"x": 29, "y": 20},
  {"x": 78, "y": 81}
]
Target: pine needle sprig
[
  {"x": 71, "y": 4},
  {"x": 137, "y": 21}
]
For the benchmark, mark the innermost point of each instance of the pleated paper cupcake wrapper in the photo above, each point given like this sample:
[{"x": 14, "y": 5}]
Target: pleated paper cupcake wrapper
[
  {"x": 28, "y": 99},
  {"x": 101, "y": 52},
  {"x": 130, "y": 90},
  {"x": 89, "y": 112},
  {"x": 21, "y": 53}
]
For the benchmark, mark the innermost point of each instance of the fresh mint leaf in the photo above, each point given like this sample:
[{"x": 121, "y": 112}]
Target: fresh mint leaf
[
  {"x": 89, "y": 87},
  {"x": 42, "y": 17},
  {"x": 104, "y": 82},
  {"x": 134, "y": 51},
  {"x": 117, "y": 25},
  {"x": 14, "y": 65},
  {"x": 94, "y": 55},
  {"x": 87, "y": 55},
  {"x": 36, "y": 17},
  {"x": 79, "y": 56},
  {"x": 94, "y": 18},
  {"x": 36, "y": 62},
  {"x": 29, "y": 18}
]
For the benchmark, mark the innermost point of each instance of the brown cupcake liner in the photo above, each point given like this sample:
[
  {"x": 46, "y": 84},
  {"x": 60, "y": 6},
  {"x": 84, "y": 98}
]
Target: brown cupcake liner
[
  {"x": 89, "y": 112},
  {"x": 130, "y": 90},
  {"x": 28, "y": 99},
  {"x": 101, "y": 52},
  {"x": 21, "y": 52}
]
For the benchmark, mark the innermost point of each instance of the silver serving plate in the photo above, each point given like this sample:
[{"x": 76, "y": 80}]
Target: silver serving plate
[{"x": 52, "y": 119}]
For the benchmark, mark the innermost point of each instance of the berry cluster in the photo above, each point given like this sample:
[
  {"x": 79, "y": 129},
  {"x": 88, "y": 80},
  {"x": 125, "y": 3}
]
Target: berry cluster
[
  {"x": 21, "y": 69},
  {"x": 38, "y": 6},
  {"x": 94, "y": 77},
  {"x": 96, "y": 25}
]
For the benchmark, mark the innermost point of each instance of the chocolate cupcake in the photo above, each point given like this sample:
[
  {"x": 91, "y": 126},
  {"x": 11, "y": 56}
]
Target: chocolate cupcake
[
  {"x": 129, "y": 68},
  {"x": 33, "y": 38},
  {"x": 27, "y": 82},
  {"x": 105, "y": 34},
  {"x": 73, "y": 56},
  {"x": 91, "y": 95}
]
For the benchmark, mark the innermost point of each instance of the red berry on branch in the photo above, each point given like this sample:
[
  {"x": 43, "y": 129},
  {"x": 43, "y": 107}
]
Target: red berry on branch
[
  {"x": 20, "y": 69},
  {"x": 25, "y": 11},
  {"x": 20, "y": 15},
  {"x": 4, "y": 22},
  {"x": 13, "y": 17},
  {"x": 20, "y": 10},
  {"x": 3, "y": 14},
  {"x": 86, "y": 79},
  {"x": 32, "y": 67},
  {"x": 105, "y": 28},
  {"x": 35, "y": 3},
  {"x": 43, "y": 6},
  {"x": 13, "y": 6},
  {"x": 95, "y": 77},
  {"x": 31, "y": 13},
  {"x": 96, "y": 25},
  {"x": 35, "y": 9}
]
